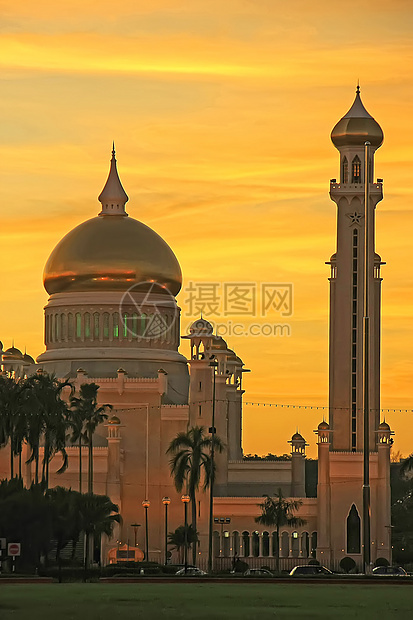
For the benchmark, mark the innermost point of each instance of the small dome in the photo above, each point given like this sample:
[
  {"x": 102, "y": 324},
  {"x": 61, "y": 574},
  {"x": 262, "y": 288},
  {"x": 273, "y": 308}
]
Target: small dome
[
  {"x": 12, "y": 354},
  {"x": 384, "y": 426},
  {"x": 219, "y": 343},
  {"x": 28, "y": 358},
  {"x": 114, "y": 420},
  {"x": 201, "y": 327},
  {"x": 297, "y": 437},
  {"x": 323, "y": 426},
  {"x": 357, "y": 127}
]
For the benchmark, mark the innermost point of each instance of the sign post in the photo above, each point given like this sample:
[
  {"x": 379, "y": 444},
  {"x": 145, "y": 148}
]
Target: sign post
[{"x": 14, "y": 550}]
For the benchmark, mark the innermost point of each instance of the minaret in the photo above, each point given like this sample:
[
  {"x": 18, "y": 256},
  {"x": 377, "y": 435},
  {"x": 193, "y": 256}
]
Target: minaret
[{"x": 347, "y": 280}]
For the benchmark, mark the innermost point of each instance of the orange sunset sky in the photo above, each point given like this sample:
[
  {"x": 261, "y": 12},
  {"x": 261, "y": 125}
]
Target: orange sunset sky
[{"x": 221, "y": 112}]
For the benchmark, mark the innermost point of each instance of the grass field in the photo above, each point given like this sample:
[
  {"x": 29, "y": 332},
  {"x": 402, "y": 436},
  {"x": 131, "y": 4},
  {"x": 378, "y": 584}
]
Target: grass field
[{"x": 204, "y": 601}]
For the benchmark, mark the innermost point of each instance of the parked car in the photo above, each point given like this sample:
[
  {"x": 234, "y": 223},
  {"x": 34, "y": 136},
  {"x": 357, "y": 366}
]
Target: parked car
[
  {"x": 191, "y": 571},
  {"x": 395, "y": 571},
  {"x": 258, "y": 572},
  {"x": 308, "y": 570}
]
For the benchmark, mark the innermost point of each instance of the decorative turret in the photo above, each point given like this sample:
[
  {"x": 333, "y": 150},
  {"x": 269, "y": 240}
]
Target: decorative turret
[
  {"x": 298, "y": 445},
  {"x": 113, "y": 197}
]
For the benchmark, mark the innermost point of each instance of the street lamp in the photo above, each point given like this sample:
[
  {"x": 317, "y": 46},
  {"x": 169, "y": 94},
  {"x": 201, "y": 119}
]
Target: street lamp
[
  {"x": 166, "y": 501},
  {"x": 146, "y": 503},
  {"x": 135, "y": 532},
  {"x": 214, "y": 365},
  {"x": 185, "y": 500}
]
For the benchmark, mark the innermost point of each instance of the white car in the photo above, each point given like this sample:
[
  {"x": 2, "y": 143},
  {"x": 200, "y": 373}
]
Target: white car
[{"x": 191, "y": 571}]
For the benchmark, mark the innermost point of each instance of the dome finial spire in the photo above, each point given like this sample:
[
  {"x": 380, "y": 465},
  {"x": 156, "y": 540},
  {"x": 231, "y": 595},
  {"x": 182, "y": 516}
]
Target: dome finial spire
[
  {"x": 113, "y": 196},
  {"x": 358, "y": 87}
]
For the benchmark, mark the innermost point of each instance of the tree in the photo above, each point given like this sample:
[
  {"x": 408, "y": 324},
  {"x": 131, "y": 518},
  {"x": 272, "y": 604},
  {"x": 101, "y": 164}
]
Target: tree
[
  {"x": 176, "y": 539},
  {"x": 191, "y": 465},
  {"x": 97, "y": 516},
  {"x": 64, "y": 506},
  {"x": 406, "y": 466},
  {"x": 87, "y": 415},
  {"x": 12, "y": 417},
  {"x": 47, "y": 420},
  {"x": 278, "y": 512}
]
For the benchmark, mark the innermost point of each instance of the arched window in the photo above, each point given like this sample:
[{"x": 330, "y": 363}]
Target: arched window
[
  {"x": 216, "y": 546},
  {"x": 235, "y": 543},
  {"x": 265, "y": 544},
  {"x": 57, "y": 327},
  {"x": 125, "y": 325},
  {"x": 134, "y": 325},
  {"x": 225, "y": 544},
  {"x": 295, "y": 544},
  {"x": 344, "y": 174},
  {"x": 96, "y": 325},
  {"x": 63, "y": 326},
  {"x": 353, "y": 531},
  {"x": 87, "y": 325},
  {"x": 313, "y": 544},
  {"x": 305, "y": 545},
  {"x": 70, "y": 326},
  {"x": 285, "y": 545},
  {"x": 245, "y": 544},
  {"x": 255, "y": 544},
  {"x": 143, "y": 324},
  {"x": 275, "y": 543},
  {"x": 106, "y": 325},
  {"x": 78, "y": 325},
  {"x": 356, "y": 170},
  {"x": 115, "y": 325}
]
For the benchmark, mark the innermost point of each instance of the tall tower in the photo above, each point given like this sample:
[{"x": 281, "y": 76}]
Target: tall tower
[
  {"x": 347, "y": 283},
  {"x": 340, "y": 443}
]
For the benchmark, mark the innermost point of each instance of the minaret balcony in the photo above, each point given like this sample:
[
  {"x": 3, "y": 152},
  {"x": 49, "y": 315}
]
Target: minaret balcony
[{"x": 376, "y": 189}]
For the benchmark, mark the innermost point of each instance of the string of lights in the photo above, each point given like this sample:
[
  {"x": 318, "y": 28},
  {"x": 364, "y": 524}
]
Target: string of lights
[{"x": 284, "y": 406}]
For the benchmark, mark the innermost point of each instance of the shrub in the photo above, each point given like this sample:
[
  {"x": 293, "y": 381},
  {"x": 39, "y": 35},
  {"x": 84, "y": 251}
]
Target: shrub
[
  {"x": 240, "y": 566},
  {"x": 314, "y": 562},
  {"x": 347, "y": 564}
]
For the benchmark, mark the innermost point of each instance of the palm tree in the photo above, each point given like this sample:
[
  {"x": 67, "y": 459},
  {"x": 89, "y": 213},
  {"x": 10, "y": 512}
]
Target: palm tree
[
  {"x": 48, "y": 419},
  {"x": 177, "y": 539},
  {"x": 191, "y": 465},
  {"x": 12, "y": 417},
  {"x": 78, "y": 434},
  {"x": 277, "y": 512},
  {"x": 64, "y": 505},
  {"x": 87, "y": 415},
  {"x": 97, "y": 516}
]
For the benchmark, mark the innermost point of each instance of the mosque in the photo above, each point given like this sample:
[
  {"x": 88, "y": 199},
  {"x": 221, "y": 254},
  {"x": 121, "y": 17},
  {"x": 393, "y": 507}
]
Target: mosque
[{"x": 112, "y": 319}]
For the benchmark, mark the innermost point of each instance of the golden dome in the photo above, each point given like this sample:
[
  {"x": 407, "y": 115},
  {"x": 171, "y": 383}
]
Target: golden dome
[
  {"x": 357, "y": 127},
  {"x": 114, "y": 420},
  {"x": 112, "y": 251}
]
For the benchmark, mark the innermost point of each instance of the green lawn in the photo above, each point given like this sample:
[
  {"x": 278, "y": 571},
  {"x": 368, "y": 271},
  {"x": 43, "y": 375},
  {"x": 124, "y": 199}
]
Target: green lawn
[{"x": 204, "y": 601}]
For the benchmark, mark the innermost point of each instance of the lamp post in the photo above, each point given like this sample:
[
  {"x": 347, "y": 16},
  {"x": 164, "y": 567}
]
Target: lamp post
[
  {"x": 135, "y": 532},
  {"x": 166, "y": 501},
  {"x": 214, "y": 365},
  {"x": 185, "y": 500},
  {"x": 366, "y": 365},
  {"x": 146, "y": 503}
]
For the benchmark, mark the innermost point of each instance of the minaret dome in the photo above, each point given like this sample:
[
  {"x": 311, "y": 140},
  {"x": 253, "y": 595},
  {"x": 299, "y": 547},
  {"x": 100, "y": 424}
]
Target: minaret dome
[{"x": 357, "y": 127}]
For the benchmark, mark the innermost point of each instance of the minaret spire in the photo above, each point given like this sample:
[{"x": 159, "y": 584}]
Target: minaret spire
[{"x": 113, "y": 196}]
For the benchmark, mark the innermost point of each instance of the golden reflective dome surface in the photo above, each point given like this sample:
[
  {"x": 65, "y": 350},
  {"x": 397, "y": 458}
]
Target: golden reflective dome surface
[
  {"x": 112, "y": 251},
  {"x": 357, "y": 127}
]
